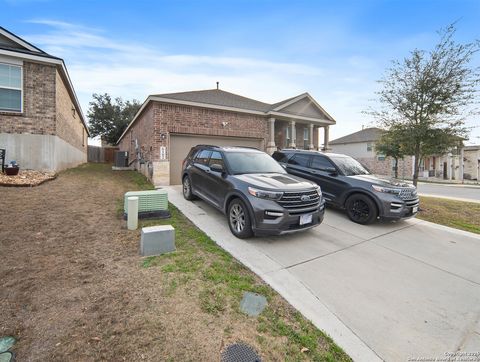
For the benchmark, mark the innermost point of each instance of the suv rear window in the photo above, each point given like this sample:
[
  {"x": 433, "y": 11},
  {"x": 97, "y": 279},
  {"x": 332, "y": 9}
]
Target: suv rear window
[
  {"x": 203, "y": 156},
  {"x": 299, "y": 160}
]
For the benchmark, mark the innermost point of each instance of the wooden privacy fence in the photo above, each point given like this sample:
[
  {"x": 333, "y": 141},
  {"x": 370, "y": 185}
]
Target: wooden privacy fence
[{"x": 101, "y": 154}]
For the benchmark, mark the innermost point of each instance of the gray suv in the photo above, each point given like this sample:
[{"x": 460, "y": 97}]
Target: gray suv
[
  {"x": 252, "y": 189},
  {"x": 347, "y": 184}
]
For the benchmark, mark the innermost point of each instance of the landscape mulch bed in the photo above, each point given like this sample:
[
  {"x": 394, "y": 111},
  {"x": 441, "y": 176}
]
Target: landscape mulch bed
[{"x": 26, "y": 178}]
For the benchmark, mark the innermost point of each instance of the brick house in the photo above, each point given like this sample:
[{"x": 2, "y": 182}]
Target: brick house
[
  {"x": 168, "y": 125},
  {"x": 361, "y": 146},
  {"x": 41, "y": 124}
]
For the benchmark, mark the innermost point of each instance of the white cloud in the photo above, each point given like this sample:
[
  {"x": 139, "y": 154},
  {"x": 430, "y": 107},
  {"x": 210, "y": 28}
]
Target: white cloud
[{"x": 99, "y": 63}]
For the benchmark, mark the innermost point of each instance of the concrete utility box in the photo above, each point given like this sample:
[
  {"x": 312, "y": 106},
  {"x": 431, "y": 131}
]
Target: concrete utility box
[{"x": 157, "y": 240}]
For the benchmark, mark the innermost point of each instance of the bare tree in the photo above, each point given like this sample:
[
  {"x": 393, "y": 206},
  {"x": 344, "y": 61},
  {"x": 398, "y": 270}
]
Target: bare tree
[{"x": 427, "y": 96}]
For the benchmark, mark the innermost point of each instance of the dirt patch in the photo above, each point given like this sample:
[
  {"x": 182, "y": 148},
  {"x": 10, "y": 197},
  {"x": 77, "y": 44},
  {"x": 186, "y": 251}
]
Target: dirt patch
[
  {"x": 26, "y": 178},
  {"x": 74, "y": 287}
]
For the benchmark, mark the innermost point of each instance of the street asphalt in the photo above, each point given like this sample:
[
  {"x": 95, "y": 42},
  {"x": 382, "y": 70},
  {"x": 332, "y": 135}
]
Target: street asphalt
[
  {"x": 387, "y": 291},
  {"x": 454, "y": 191}
]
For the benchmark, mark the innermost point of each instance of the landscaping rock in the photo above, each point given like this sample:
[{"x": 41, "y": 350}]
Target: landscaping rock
[{"x": 26, "y": 178}]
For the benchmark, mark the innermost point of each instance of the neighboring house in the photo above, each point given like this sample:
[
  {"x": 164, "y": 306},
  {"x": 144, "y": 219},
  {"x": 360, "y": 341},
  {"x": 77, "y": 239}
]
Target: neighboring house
[
  {"x": 168, "y": 125},
  {"x": 41, "y": 124},
  {"x": 361, "y": 146},
  {"x": 472, "y": 162}
]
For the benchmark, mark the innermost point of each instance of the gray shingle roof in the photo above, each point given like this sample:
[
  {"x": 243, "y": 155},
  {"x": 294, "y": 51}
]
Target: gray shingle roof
[
  {"x": 365, "y": 135},
  {"x": 219, "y": 97}
]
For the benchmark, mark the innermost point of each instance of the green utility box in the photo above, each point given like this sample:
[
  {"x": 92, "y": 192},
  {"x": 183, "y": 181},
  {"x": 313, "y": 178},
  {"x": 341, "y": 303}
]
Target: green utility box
[{"x": 151, "y": 203}]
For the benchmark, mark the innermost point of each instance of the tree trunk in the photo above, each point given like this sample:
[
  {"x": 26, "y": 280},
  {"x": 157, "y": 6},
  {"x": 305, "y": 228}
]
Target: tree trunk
[
  {"x": 416, "y": 168},
  {"x": 396, "y": 168}
]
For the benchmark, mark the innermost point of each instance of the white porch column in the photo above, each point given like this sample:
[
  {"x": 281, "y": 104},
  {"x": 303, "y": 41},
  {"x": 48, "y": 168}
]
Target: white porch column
[
  {"x": 271, "y": 147},
  {"x": 294, "y": 135},
  {"x": 325, "y": 138},
  {"x": 310, "y": 137}
]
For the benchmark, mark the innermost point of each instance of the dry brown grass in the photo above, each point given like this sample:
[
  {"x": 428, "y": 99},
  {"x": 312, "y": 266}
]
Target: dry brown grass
[
  {"x": 74, "y": 287},
  {"x": 456, "y": 214}
]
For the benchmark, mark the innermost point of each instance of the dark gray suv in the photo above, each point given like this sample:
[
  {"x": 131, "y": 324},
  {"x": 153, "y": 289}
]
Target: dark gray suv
[
  {"x": 347, "y": 184},
  {"x": 252, "y": 189}
]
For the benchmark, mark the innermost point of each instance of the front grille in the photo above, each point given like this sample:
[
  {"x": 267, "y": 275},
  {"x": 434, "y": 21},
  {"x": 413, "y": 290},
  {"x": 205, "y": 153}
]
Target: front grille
[
  {"x": 411, "y": 203},
  {"x": 408, "y": 193},
  {"x": 292, "y": 201}
]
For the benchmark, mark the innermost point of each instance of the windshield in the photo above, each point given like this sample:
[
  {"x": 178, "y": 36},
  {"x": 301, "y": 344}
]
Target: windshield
[
  {"x": 252, "y": 162},
  {"x": 349, "y": 166}
]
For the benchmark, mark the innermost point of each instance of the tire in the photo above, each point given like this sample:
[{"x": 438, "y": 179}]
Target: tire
[
  {"x": 361, "y": 209},
  {"x": 239, "y": 219},
  {"x": 187, "y": 189}
]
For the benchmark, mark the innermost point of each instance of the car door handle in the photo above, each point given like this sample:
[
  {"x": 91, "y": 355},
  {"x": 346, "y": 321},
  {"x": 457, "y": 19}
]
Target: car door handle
[{"x": 313, "y": 172}]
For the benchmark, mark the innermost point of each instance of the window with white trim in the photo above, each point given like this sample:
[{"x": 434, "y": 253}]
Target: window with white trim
[
  {"x": 305, "y": 138},
  {"x": 287, "y": 136},
  {"x": 10, "y": 88}
]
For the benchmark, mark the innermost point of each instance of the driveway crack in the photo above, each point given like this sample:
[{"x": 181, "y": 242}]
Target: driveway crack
[
  {"x": 428, "y": 264},
  {"x": 347, "y": 247}
]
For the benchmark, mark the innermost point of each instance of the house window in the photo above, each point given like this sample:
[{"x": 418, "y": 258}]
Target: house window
[
  {"x": 369, "y": 147},
  {"x": 380, "y": 157},
  {"x": 287, "y": 136},
  {"x": 305, "y": 138},
  {"x": 10, "y": 88}
]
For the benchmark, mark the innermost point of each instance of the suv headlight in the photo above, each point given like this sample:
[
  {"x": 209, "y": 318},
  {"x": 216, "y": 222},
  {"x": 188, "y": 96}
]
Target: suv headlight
[
  {"x": 319, "y": 190},
  {"x": 386, "y": 190},
  {"x": 263, "y": 194}
]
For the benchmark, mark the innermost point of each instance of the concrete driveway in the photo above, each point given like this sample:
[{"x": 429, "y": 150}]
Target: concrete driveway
[{"x": 386, "y": 291}]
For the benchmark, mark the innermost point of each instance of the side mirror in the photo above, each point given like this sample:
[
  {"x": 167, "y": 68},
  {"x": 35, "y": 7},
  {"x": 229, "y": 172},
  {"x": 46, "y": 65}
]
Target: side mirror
[
  {"x": 217, "y": 168},
  {"x": 330, "y": 170}
]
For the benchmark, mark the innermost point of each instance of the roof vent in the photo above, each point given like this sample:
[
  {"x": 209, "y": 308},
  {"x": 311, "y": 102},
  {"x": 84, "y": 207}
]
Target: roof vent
[{"x": 218, "y": 85}]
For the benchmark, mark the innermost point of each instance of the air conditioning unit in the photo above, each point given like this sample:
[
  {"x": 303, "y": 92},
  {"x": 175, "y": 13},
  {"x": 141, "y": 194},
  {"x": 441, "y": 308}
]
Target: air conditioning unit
[
  {"x": 151, "y": 204},
  {"x": 121, "y": 158}
]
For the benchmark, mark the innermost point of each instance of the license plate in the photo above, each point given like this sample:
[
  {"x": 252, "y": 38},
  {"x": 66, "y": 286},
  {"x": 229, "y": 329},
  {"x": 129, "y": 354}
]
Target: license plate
[
  {"x": 305, "y": 219},
  {"x": 414, "y": 209}
]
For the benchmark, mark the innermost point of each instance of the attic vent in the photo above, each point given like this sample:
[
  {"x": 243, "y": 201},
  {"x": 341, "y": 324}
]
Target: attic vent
[{"x": 152, "y": 203}]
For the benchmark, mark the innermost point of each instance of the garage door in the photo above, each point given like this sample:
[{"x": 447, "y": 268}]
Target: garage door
[{"x": 180, "y": 145}]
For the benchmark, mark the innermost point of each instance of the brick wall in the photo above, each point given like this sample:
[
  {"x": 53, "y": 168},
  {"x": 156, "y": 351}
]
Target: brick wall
[
  {"x": 69, "y": 126},
  {"x": 38, "y": 116},
  {"x": 143, "y": 131},
  {"x": 162, "y": 119},
  {"x": 385, "y": 167}
]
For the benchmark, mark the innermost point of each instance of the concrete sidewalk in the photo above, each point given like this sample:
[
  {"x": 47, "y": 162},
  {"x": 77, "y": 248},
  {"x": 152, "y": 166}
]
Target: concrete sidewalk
[{"x": 385, "y": 291}]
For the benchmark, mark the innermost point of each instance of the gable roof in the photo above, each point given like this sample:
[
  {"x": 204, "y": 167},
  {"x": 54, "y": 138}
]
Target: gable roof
[
  {"x": 14, "y": 46},
  {"x": 220, "y": 99},
  {"x": 365, "y": 135}
]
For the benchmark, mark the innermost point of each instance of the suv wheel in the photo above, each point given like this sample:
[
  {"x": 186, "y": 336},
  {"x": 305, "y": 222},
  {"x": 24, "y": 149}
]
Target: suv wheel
[
  {"x": 361, "y": 209},
  {"x": 187, "y": 188},
  {"x": 239, "y": 219}
]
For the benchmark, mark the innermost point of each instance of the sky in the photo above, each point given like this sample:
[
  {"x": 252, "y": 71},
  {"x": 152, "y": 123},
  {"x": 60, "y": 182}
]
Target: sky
[{"x": 266, "y": 50}]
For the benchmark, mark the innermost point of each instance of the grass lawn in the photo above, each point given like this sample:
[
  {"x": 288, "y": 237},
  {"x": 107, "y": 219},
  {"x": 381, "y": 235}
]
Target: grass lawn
[
  {"x": 216, "y": 281},
  {"x": 75, "y": 288},
  {"x": 456, "y": 214}
]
